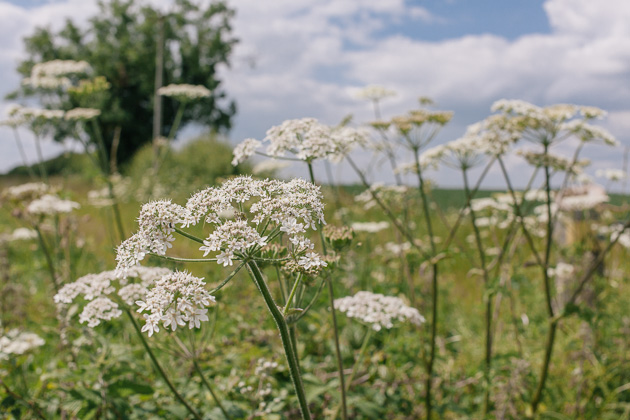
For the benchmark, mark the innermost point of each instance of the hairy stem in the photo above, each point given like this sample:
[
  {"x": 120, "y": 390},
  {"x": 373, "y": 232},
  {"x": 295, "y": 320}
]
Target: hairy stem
[{"x": 285, "y": 337}]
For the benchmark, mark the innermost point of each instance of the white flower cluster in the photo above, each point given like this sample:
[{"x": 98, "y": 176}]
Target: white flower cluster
[
  {"x": 19, "y": 234},
  {"x": 245, "y": 149},
  {"x": 156, "y": 222},
  {"x": 305, "y": 138},
  {"x": 374, "y": 93},
  {"x": 554, "y": 161},
  {"x": 617, "y": 233},
  {"x": 174, "y": 300},
  {"x": 291, "y": 207},
  {"x": 370, "y": 227},
  {"x": 378, "y": 310},
  {"x": 21, "y": 113},
  {"x": 611, "y": 174},
  {"x": 26, "y": 191},
  {"x": 551, "y": 123},
  {"x": 56, "y": 68},
  {"x": 588, "y": 132},
  {"x": 582, "y": 197},
  {"x": 81, "y": 114},
  {"x": 99, "y": 288},
  {"x": 50, "y": 204},
  {"x": 184, "y": 92},
  {"x": 51, "y": 74},
  {"x": 47, "y": 82},
  {"x": 16, "y": 342},
  {"x": 233, "y": 236}
]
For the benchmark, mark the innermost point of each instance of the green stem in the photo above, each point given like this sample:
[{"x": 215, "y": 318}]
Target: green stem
[
  {"x": 333, "y": 313},
  {"x": 116, "y": 209},
  {"x": 20, "y": 146},
  {"x": 189, "y": 236},
  {"x": 101, "y": 147},
  {"x": 482, "y": 258},
  {"x": 177, "y": 259},
  {"x": 291, "y": 295},
  {"x": 49, "y": 261},
  {"x": 551, "y": 334},
  {"x": 434, "y": 286},
  {"x": 281, "y": 323},
  {"x": 207, "y": 384},
  {"x": 40, "y": 159},
  {"x": 312, "y": 302},
  {"x": 158, "y": 367},
  {"x": 171, "y": 135},
  {"x": 355, "y": 367},
  {"x": 228, "y": 278},
  {"x": 388, "y": 212}
]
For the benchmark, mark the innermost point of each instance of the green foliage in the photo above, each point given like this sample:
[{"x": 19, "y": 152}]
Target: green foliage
[{"x": 120, "y": 44}]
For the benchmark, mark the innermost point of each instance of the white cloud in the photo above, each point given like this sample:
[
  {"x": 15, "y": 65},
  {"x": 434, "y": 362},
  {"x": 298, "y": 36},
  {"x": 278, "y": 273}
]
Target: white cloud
[{"x": 308, "y": 53}]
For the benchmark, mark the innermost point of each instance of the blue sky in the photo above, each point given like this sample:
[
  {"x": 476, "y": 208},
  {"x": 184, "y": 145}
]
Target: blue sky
[{"x": 311, "y": 54}]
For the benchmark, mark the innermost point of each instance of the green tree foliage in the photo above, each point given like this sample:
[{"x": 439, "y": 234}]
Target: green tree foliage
[{"x": 120, "y": 43}]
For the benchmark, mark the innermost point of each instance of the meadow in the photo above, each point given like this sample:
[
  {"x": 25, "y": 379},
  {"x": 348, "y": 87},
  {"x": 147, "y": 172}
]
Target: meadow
[{"x": 195, "y": 283}]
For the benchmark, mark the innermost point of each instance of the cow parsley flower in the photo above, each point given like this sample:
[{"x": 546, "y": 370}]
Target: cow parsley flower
[
  {"x": 244, "y": 215},
  {"x": 244, "y": 150},
  {"x": 370, "y": 227},
  {"x": 50, "y": 205},
  {"x": 174, "y": 300},
  {"x": 374, "y": 93},
  {"x": 57, "y": 68},
  {"x": 16, "y": 342},
  {"x": 184, "y": 92},
  {"x": 306, "y": 139},
  {"x": 377, "y": 310},
  {"x": 21, "y": 234},
  {"x": 611, "y": 174},
  {"x": 26, "y": 191},
  {"x": 101, "y": 290},
  {"x": 80, "y": 114},
  {"x": 157, "y": 222}
]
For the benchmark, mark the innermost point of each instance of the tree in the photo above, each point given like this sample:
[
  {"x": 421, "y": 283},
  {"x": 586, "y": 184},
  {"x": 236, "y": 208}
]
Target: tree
[{"x": 120, "y": 44}]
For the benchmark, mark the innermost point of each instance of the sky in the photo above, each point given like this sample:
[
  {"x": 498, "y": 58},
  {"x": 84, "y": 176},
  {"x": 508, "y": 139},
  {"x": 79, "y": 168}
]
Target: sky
[{"x": 305, "y": 58}]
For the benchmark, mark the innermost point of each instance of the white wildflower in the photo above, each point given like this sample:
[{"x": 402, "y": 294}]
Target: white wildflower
[
  {"x": 244, "y": 150},
  {"x": 26, "y": 191},
  {"x": 581, "y": 197},
  {"x": 16, "y": 342},
  {"x": 184, "y": 92},
  {"x": 22, "y": 234},
  {"x": 78, "y": 114},
  {"x": 173, "y": 300},
  {"x": 374, "y": 93},
  {"x": 50, "y": 205},
  {"x": 378, "y": 310},
  {"x": 370, "y": 227},
  {"x": 611, "y": 174},
  {"x": 241, "y": 212},
  {"x": 57, "y": 68},
  {"x": 99, "y": 309}
]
